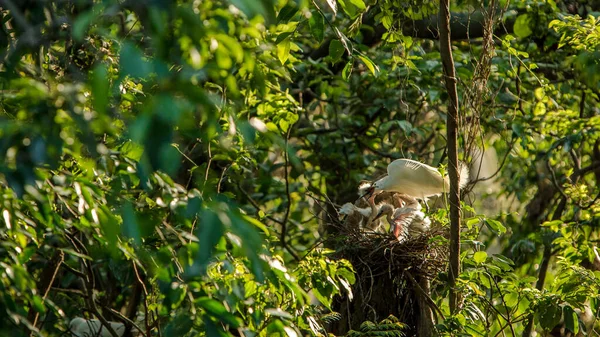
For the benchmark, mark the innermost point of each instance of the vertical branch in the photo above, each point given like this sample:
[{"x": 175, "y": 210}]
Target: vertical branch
[
  {"x": 286, "y": 217},
  {"x": 451, "y": 125}
]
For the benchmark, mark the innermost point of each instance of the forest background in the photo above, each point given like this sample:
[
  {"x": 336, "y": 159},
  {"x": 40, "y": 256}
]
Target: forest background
[{"x": 177, "y": 165}]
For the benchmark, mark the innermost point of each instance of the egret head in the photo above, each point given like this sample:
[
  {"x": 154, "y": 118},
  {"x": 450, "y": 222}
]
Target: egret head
[
  {"x": 365, "y": 189},
  {"x": 385, "y": 209}
]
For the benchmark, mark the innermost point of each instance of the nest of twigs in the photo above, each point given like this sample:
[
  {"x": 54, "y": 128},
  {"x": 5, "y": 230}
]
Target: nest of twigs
[
  {"x": 392, "y": 277},
  {"x": 424, "y": 255}
]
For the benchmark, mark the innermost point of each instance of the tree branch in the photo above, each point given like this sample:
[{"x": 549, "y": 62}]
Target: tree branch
[{"x": 452, "y": 128}]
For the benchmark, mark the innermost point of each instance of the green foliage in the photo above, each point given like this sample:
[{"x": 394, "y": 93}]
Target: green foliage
[
  {"x": 389, "y": 327},
  {"x": 180, "y": 161}
]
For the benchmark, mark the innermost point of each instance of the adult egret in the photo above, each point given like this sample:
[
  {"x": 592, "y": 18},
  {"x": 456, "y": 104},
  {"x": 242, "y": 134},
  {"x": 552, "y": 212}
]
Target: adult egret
[
  {"x": 81, "y": 327},
  {"x": 416, "y": 179}
]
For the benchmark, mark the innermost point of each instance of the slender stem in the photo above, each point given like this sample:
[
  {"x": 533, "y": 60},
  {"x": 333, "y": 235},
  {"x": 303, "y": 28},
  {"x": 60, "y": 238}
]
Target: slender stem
[{"x": 452, "y": 128}]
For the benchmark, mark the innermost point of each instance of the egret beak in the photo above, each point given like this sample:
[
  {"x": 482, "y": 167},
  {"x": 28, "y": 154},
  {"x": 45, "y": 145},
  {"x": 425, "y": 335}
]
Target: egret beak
[
  {"x": 379, "y": 215},
  {"x": 368, "y": 192}
]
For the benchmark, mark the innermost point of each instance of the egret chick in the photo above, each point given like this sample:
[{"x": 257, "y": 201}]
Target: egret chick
[
  {"x": 396, "y": 225},
  {"x": 357, "y": 217}
]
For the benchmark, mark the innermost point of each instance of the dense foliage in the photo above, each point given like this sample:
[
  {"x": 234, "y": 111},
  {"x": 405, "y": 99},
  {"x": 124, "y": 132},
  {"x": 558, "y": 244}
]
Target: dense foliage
[{"x": 177, "y": 164}]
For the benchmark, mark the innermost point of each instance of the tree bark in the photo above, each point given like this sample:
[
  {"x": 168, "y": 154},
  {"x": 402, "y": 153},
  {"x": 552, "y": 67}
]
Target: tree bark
[{"x": 451, "y": 125}]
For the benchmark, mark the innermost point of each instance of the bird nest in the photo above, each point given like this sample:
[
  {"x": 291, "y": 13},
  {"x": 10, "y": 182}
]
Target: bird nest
[
  {"x": 424, "y": 255},
  {"x": 392, "y": 277}
]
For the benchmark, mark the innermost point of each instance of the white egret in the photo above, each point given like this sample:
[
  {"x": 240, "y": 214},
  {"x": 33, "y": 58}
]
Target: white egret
[
  {"x": 81, "y": 327},
  {"x": 416, "y": 179}
]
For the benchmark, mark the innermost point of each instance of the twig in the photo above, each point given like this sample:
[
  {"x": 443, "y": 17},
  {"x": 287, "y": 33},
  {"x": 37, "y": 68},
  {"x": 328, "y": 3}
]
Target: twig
[
  {"x": 255, "y": 204},
  {"x": 426, "y": 296},
  {"x": 47, "y": 277},
  {"x": 222, "y": 177},
  {"x": 126, "y": 319},
  {"x": 284, "y": 222},
  {"x": 210, "y": 158},
  {"x": 501, "y": 164}
]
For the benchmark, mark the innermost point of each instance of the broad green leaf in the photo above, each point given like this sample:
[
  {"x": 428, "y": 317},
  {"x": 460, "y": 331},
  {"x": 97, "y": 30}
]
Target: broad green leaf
[
  {"x": 480, "y": 257},
  {"x": 100, "y": 87},
  {"x": 179, "y": 326},
  {"x": 218, "y": 311},
  {"x": 549, "y": 314},
  {"x": 472, "y": 222},
  {"x": 132, "y": 62},
  {"x": 521, "y": 27},
  {"x": 336, "y": 50},
  {"x": 81, "y": 24},
  {"x": 283, "y": 51},
  {"x": 373, "y": 68},
  {"x": 347, "y": 71},
  {"x": 496, "y": 226},
  {"x": 511, "y": 299},
  {"x": 571, "y": 319},
  {"x": 252, "y": 8},
  {"x": 317, "y": 25},
  {"x": 286, "y": 13},
  {"x": 131, "y": 227},
  {"x": 210, "y": 230},
  {"x": 358, "y": 3}
]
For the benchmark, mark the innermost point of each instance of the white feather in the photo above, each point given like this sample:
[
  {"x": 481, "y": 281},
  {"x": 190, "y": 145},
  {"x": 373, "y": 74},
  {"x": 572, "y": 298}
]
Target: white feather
[
  {"x": 417, "y": 179},
  {"x": 81, "y": 327}
]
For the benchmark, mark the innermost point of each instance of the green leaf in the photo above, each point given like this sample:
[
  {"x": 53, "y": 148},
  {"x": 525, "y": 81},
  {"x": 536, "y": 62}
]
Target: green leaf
[
  {"x": 336, "y": 50},
  {"x": 372, "y": 66},
  {"x": 179, "y": 326},
  {"x": 286, "y": 13},
  {"x": 480, "y": 257},
  {"x": 130, "y": 224},
  {"x": 283, "y": 51},
  {"x": 209, "y": 233},
  {"x": 278, "y": 313},
  {"x": 359, "y": 4},
  {"x": 352, "y": 7},
  {"x": 252, "y": 8},
  {"x": 496, "y": 226},
  {"x": 100, "y": 88},
  {"x": 132, "y": 61},
  {"x": 257, "y": 224},
  {"x": 218, "y": 311},
  {"x": 571, "y": 319},
  {"x": 549, "y": 315},
  {"x": 511, "y": 299},
  {"x": 316, "y": 24},
  {"x": 81, "y": 24},
  {"x": 472, "y": 222},
  {"x": 521, "y": 27},
  {"x": 281, "y": 37},
  {"x": 347, "y": 71}
]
